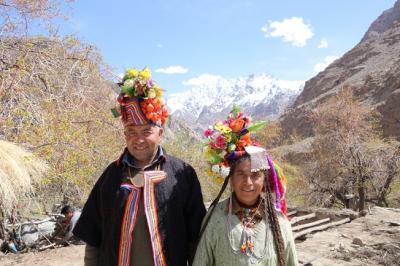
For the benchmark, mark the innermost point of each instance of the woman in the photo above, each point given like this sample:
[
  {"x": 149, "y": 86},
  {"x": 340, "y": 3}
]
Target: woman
[{"x": 247, "y": 228}]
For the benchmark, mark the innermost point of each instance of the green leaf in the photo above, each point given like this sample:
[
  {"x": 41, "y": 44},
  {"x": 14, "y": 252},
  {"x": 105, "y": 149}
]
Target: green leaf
[
  {"x": 231, "y": 147},
  {"x": 128, "y": 90},
  {"x": 115, "y": 112},
  {"x": 235, "y": 110},
  {"x": 215, "y": 158},
  {"x": 254, "y": 128},
  {"x": 124, "y": 89},
  {"x": 205, "y": 142}
]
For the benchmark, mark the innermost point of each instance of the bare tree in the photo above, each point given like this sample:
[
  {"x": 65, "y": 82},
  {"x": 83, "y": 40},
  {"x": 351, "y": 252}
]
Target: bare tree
[
  {"x": 19, "y": 17},
  {"x": 55, "y": 100},
  {"x": 349, "y": 162}
]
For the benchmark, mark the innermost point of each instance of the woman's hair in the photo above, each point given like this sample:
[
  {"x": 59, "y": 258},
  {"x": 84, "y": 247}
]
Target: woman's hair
[
  {"x": 234, "y": 162},
  {"x": 274, "y": 221}
]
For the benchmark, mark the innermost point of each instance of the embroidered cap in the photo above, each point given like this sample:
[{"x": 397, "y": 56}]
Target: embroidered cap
[{"x": 258, "y": 158}]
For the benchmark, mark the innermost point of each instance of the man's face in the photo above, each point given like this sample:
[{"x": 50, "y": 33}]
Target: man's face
[
  {"x": 142, "y": 142},
  {"x": 68, "y": 217}
]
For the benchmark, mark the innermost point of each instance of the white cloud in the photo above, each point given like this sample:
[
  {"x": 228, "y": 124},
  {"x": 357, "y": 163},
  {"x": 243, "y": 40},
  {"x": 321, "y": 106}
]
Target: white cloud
[
  {"x": 292, "y": 30},
  {"x": 172, "y": 70},
  {"x": 160, "y": 45},
  {"x": 327, "y": 61},
  {"x": 323, "y": 43},
  {"x": 204, "y": 80}
]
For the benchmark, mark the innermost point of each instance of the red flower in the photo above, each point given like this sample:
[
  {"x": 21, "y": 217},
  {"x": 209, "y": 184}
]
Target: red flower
[
  {"x": 208, "y": 132},
  {"x": 220, "y": 142},
  {"x": 213, "y": 145}
]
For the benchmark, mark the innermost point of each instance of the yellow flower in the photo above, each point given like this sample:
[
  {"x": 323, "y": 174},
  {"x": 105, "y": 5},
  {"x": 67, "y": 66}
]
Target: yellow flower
[
  {"x": 151, "y": 93},
  {"x": 219, "y": 180},
  {"x": 209, "y": 172},
  {"x": 131, "y": 73},
  {"x": 224, "y": 129},
  {"x": 228, "y": 137},
  {"x": 145, "y": 73},
  {"x": 159, "y": 91},
  {"x": 207, "y": 153}
]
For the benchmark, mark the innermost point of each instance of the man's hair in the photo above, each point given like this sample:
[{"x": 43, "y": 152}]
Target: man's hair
[{"x": 66, "y": 209}]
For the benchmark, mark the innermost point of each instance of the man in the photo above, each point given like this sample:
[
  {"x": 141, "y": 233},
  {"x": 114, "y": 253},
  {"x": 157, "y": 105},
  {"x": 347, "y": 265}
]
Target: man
[
  {"x": 70, "y": 219},
  {"x": 147, "y": 207}
]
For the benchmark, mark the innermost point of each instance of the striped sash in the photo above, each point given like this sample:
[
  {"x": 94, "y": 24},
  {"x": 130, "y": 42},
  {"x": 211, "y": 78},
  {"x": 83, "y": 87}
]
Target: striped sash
[{"x": 151, "y": 178}]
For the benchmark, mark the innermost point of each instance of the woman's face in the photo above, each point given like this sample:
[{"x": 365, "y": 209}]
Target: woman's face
[{"x": 247, "y": 185}]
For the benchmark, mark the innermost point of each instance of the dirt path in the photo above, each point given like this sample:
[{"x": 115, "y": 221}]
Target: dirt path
[
  {"x": 370, "y": 240},
  {"x": 67, "y": 256}
]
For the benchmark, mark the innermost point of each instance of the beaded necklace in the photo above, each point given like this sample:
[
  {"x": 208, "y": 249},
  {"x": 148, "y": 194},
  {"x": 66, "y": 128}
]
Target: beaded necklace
[{"x": 247, "y": 236}]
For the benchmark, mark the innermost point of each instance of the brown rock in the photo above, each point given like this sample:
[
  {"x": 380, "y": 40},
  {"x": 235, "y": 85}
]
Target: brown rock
[{"x": 358, "y": 242}]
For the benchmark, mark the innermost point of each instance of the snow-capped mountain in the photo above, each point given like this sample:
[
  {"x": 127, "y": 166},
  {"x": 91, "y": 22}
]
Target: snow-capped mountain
[{"x": 211, "y": 97}]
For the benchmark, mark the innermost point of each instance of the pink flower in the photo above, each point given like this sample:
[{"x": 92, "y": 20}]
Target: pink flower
[
  {"x": 208, "y": 132},
  {"x": 220, "y": 142},
  {"x": 229, "y": 120}
]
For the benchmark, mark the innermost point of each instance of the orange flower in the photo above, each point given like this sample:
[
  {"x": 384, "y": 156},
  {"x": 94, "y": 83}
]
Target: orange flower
[
  {"x": 237, "y": 125},
  {"x": 149, "y": 108},
  {"x": 246, "y": 138},
  {"x": 149, "y": 116}
]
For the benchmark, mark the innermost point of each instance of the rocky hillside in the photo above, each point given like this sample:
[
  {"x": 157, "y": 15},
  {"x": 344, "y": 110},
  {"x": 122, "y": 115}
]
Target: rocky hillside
[{"x": 372, "y": 68}]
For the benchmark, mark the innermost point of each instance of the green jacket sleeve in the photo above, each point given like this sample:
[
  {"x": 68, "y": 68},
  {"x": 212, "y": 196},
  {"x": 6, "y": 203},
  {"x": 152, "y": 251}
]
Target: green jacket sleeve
[
  {"x": 204, "y": 253},
  {"x": 290, "y": 247}
]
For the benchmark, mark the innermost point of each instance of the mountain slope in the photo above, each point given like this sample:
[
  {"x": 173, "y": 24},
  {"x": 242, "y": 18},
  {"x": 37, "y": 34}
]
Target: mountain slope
[{"x": 372, "y": 68}]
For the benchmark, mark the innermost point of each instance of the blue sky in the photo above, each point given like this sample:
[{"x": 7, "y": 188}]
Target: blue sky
[{"x": 229, "y": 38}]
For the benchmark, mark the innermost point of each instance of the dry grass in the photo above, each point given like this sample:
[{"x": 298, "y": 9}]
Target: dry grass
[{"x": 19, "y": 170}]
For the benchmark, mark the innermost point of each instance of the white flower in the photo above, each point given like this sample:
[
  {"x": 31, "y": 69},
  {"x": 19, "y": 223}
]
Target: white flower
[
  {"x": 223, "y": 153},
  {"x": 129, "y": 83},
  {"x": 151, "y": 93},
  {"x": 225, "y": 171},
  {"x": 215, "y": 168}
]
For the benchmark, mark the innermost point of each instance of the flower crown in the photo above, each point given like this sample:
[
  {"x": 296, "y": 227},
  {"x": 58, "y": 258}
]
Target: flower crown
[
  {"x": 227, "y": 140},
  {"x": 139, "y": 84}
]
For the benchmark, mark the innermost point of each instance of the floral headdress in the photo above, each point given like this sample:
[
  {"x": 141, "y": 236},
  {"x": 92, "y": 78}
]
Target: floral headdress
[
  {"x": 226, "y": 140},
  {"x": 140, "y": 99},
  {"x": 232, "y": 139}
]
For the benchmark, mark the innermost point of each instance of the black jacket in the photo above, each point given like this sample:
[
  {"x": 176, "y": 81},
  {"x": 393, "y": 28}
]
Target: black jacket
[{"x": 179, "y": 204}]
